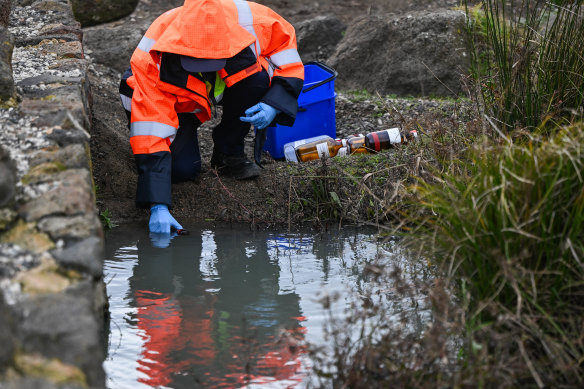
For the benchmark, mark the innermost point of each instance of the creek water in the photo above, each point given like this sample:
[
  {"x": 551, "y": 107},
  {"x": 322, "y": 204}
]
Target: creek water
[{"x": 226, "y": 307}]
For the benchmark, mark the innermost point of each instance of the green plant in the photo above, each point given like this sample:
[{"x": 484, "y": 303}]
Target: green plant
[
  {"x": 106, "y": 219},
  {"x": 359, "y": 95}
]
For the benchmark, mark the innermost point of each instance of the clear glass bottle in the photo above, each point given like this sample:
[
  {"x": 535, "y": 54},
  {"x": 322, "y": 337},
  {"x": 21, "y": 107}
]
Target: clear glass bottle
[
  {"x": 386, "y": 139},
  {"x": 321, "y": 149}
]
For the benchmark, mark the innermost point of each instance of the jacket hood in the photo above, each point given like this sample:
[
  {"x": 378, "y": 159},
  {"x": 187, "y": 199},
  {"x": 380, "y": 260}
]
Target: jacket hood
[{"x": 204, "y": 29}]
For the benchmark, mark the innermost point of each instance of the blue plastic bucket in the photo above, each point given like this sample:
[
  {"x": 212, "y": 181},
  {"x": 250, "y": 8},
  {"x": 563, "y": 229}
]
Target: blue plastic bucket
[{"x": 316, "y": 110}]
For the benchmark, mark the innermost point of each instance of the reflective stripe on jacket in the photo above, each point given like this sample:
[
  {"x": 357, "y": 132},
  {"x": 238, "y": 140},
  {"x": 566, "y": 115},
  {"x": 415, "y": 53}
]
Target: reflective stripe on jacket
[{"x": 254, "y": 37}]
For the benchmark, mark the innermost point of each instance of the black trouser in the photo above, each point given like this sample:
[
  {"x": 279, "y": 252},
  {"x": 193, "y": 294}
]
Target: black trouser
[{"x": 228, "y": 135}]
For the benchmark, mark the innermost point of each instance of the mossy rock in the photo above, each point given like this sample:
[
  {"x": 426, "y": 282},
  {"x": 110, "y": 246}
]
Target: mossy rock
[
  {"x": 48, "y": 277},
  {"x": 43, "y": 172},
  {"x": 28, "y": 237},
  {"x": 7, "y": 216},
  {"x": 34, "y": 365}
]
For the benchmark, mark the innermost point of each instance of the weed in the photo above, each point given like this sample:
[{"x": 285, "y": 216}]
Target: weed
[
  {"x": 106, "y": 219},
  {"x": 498, "y": 217},
  {"x": 359, "y": 95}
]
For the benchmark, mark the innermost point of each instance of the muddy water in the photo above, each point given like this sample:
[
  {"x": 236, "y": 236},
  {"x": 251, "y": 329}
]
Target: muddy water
[{"x": 226, "y": 307}]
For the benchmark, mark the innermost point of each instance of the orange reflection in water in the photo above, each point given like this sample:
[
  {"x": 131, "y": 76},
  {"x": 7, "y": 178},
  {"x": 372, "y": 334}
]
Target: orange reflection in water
[
  {"x": 210, "y": 314},
  {"x": 183, "y": 336}
]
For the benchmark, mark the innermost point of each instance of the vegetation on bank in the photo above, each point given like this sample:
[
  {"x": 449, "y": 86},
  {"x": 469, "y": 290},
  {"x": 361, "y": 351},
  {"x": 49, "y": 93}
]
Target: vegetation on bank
[
  {"x": 496, "y": 209},
  {"x": 372, "y": 188}
]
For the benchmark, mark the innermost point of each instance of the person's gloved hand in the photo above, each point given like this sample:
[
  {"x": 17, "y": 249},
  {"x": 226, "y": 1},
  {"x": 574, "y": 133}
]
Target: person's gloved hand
[
  {"x": 260, "y": 115},
  {"x": 161, "y": 240},
  {"x": 161, "y": 220}
]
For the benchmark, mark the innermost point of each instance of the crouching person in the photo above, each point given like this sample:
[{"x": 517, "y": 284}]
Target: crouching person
[{"x": 239, "y": 54}]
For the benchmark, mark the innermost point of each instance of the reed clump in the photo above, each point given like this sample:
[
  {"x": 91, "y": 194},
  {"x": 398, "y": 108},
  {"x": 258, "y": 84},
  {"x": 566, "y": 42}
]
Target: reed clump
[
  {"x": 509, "y": 230},
  {"x": 504, "y": 223}
]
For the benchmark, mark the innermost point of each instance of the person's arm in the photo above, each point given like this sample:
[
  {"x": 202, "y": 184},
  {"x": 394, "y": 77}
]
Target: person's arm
[
  {"x": 154, "y": 121},
  {"x": 288, "y": 71}
]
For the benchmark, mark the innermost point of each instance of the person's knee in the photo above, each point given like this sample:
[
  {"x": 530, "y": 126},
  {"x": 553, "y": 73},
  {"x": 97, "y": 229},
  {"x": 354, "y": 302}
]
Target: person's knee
[{"x": 186, "y": 171}]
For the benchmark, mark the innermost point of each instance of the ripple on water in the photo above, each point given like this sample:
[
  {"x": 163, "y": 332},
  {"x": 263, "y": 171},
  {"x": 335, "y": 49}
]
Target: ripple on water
[{"x": 227, "y": 307}]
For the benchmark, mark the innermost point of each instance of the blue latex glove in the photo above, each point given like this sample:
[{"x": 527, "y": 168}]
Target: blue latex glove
[
  {"x": 161, "y": 220},
  {"x": 260, "y": 115},
  {"x": 161, "y": 240}
]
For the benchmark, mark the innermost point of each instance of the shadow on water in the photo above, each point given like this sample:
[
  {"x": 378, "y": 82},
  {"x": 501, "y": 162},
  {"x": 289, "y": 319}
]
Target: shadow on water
[{"x": 224, "y": 307}]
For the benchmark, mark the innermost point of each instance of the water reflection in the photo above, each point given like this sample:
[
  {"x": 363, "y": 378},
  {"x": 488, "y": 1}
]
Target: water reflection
[{"x": 221, "y": 308}]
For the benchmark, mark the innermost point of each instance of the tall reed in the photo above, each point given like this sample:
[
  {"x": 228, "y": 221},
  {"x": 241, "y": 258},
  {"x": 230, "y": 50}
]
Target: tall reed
[{"x": 531, "y": 67}]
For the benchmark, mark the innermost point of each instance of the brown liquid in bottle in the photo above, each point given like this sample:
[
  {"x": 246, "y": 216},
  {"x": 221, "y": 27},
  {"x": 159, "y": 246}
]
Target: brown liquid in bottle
[
  {"x": 357, "y": 144},
  {"x": 318, "y": 150}
]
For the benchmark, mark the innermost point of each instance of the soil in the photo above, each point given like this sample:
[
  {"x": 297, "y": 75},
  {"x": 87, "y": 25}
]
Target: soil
[{"x": 357, "y": 188}]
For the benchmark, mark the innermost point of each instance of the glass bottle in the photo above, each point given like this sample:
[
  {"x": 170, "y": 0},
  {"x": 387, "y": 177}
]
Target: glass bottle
[
  {"x": 343, "y": 151},
  {"x": 356, "y": 144},
  {"x": 382, "y": 140},
  {"x": 321, "y": 149},
  {"x": 290, "y": 147}
]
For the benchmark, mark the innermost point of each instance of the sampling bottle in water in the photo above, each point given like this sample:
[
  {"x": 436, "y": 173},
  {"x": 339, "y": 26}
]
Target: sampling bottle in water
[
  {"x": 290, "y": 147},
  {"x": 322, "y": 149},
  {"x": 386, "y": 139}
]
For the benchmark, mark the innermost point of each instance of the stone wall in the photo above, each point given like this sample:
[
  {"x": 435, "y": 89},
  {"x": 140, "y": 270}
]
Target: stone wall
[
  {"x": 6, "y": 46},
  {"x": 52, "y": 295}
]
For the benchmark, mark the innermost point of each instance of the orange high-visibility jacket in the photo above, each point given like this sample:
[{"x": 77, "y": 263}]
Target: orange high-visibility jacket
[{"x": 251, "y": 36}]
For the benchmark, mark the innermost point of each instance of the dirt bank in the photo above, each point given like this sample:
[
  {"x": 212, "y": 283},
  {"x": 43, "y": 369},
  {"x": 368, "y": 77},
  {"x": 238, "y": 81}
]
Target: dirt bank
[{"x": 285, "y": 193}]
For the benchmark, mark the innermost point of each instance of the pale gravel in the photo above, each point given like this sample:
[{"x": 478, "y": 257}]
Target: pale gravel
[{"x": 18, "y": 134}]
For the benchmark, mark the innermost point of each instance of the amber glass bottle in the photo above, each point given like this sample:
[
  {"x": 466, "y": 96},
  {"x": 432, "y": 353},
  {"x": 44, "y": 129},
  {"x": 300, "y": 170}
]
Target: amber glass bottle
[
  {"x": 323, "y": 149},
  {"x": 290, "y": 147},
  {"x": 356, "y": 144}
]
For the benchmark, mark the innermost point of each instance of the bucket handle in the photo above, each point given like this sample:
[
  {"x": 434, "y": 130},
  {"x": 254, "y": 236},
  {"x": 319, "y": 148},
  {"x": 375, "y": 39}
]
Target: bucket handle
[{"x": 325, "y": 67}]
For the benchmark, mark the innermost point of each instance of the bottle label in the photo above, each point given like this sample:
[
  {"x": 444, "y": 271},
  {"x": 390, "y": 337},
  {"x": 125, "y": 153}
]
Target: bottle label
[
  {"x": 343, "y": 151},
  {"x": 323, "y": 150},
  {"x": 290, "y": 153},
  {"x": 381, "y": 140},
  {"x": 394, "y": 135}
]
